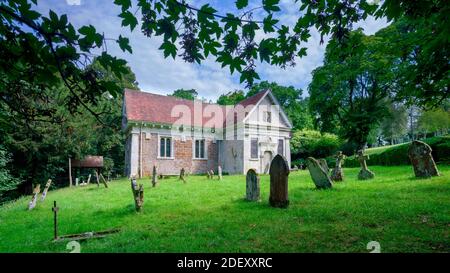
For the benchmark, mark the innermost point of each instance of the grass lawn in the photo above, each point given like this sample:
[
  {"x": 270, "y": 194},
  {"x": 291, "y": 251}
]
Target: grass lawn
[{"x": 402, "y": 213}]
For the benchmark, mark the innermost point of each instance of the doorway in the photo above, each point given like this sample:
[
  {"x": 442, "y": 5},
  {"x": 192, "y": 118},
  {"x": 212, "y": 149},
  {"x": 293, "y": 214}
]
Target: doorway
[{"x": 266, "y": 161}]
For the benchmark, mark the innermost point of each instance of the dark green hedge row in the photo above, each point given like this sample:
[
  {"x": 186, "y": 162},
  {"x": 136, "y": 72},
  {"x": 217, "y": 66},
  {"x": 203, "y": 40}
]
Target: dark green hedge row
[{"x": 398, "y": 155}]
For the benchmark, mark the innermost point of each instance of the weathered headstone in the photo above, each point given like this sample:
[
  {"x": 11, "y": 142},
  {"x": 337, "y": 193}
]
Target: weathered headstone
[
  {"x": 104, "y": 180},
  {"x": 76, "y": 181},
  {"x": 36, "y": 192},
  {"x": 182, "y": 174},
  {"x": 364, "y": 173},
  {"x": 154, "y": 176},
  {"x": 89, "y": 179},
  {"x": 318, "y": 174},
  {"x": 138, "y": 193},
  {"x": 323, "y": 163},
  {"x": 211, "y": 173},
  {"x": 337, "y": 173},
  {"x": 423, "y": 163},
  {"x": 219, "y": 172},
  {"x": 47, "y": 186},
  {"x": 252, "y": 186},
  {"x": 279, "y": 172}
]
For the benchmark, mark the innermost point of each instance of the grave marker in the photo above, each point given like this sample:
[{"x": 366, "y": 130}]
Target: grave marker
[
  {"x": 252, "y": 186},
  {"x": 318, "y": 174},
  {"x": 423, "y": 163},
  {"x": 154, "y": 176},
  {"x": 279, "y": 172},
  {"x": 36, "y": 192},
  {"x": 138, "y": 193},
  {"x": 47, "y": 186},
  {"x": 338, "y": 173},
  {"x": 364, "y": 173}
]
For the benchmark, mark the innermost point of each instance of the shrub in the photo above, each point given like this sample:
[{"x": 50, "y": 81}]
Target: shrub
[
  {"x": 306, "y": 143},
  {"x": 398, "y": 155}
]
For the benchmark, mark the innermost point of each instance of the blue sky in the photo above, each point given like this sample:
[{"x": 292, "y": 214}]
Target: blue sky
[{"x": 159, "y": 75}]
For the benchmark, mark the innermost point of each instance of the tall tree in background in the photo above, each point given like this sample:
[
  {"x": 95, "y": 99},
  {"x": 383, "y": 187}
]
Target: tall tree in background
[
  {"x": 231, "y": 98},
  {"x": 395, "y": 124},
  {"x": 188, "y": 94},
  {"x": 435, "y": 121},
  {"x": 352, "y": 87}
]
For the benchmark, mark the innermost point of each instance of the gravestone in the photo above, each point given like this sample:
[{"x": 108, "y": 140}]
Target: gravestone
[
  {"x": 219, "y": 172},
  {"x": 364, "y": 173},
  {"x": 154, "y": 176},
  {"x": 279, "y": 172},
  {"x": 47, "y": 186},
  {"x": 211, "y": 173},
  {"x": 252, "y": 186},
  {"x": 423, "y": 163},
  {"x": 182, "y": 174},
  {"x": 36, "y": 192},
  {"x": 323, "y": 163},
  {"x": 318, "y": 174},
  {"x": 337, "y": 173},
  {"x": 138, "y": 193}
]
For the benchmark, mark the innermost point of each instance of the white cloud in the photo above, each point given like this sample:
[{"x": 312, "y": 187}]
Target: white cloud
[{"x": 159, "y": 75}]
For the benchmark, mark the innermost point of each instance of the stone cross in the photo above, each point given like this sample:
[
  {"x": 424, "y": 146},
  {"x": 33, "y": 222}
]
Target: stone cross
[
  {"x": 279, "y": 172},
  {"x": 338, "y": 173},
  {"x": 154, "y": 176},
  {"x": 318, "y": 174},
  {"x": 364, "y": 173},
  {"x": 36, "y": 192},
  {"x": 252, "y": 186},
  {"x": 182, "y": 174},
  {"x": 423, "y": 163},
  {"x": 219, "y": 172},
  {"x": 55, "y": 220}
]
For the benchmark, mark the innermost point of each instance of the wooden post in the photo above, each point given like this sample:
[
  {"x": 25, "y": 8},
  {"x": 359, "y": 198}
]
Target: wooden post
[
  {"x": 154, "y": 176},
  {"x": 70, "y": 172},
  {"x": 55, "y": 220},
  {"x": 47, "y": 186},
  {"x": 104, "y": 180},
  {"x": 96, "y": 175}
]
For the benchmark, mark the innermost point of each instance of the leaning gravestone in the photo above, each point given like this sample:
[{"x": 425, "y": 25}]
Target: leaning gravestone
[
  {"x": 279, "y": 172},
  {"x": 211, "y": 173},
  {"x": 364, "y": 173},
  {"x": 47, "y": 186},
  {"x": 422, "y": 160},
  {"x": 337, "y": 173},
  {"x": 253, "y": 188},
  {"x": 323, "y": 163},
  {"x": 36, "y": 192},
  {"x": 154, "y": 176},
  {"x": 318, "y": 174}
]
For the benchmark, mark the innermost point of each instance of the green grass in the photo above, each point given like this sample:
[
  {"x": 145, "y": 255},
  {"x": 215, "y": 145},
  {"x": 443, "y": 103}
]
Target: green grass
[
  {"x": 379, "y": 150},
  {"x": 402, "y": 213}
]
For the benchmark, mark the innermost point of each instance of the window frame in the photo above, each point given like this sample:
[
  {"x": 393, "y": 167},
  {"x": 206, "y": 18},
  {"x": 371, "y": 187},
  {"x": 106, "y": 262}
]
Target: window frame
[
  {"x": 251, "y": 148},
  {"x": 172, "y": 148},
  {"x": 282, "y": 148},
  {"x": 194, "y": 149}
]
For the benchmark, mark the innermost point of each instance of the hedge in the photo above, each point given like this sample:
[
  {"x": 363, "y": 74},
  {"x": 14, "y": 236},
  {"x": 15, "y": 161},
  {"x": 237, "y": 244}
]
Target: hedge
[{"x": 398, "y": 155}]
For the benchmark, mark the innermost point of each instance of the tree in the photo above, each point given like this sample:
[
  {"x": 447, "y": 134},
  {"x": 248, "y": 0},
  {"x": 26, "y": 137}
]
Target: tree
[
  {"x": 395, "y": 124},
  {"x": 434, "y": 121},
  {"x": 188, "y": 94},
  {"x": 352, "y": 87},
  {"x": 231, "y": 98},
  {"x": 195, "y": 33},
  {"x": 7, "y": 181},
  {"x": 306, "y": 143},
  {"x": 290, "y": 100}
]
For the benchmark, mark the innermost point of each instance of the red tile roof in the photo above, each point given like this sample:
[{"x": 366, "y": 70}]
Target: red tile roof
[
  {"x": 153, "y": 108},
  {"x": 90, "y": 161}
]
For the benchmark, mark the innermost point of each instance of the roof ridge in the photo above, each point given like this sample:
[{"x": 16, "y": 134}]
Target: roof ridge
[{"x": 168, "y": 96}]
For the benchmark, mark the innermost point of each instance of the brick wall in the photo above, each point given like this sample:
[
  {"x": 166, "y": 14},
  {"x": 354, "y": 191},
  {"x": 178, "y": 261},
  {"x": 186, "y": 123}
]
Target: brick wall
[{"x": 182, "y": 157}]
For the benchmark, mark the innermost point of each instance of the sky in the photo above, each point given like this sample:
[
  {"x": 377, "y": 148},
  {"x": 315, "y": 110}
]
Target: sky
[{"x": 156, "y": 74}]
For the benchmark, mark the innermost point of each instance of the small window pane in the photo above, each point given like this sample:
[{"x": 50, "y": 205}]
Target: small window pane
[
  {"x": 162, "y": 147},
  {"x": 202, "y": 148},
  {"x": 254, "y": 148},
  {"x": 196, "y": 149},
  {"x": 168, "y": 147},
  {"x": 281, "y": 147}
]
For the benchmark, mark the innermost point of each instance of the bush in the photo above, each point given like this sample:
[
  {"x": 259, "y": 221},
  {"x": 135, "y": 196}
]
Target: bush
[
  {"x": 398, "y": 155},
  {"x": 305, "y": 143}
]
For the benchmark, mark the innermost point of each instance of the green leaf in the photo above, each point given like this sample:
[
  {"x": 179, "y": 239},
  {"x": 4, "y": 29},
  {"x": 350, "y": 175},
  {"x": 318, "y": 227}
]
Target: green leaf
[
  {"x": 125, "y": 4},
  {"x": 169, "y": 49},
  {"x": 240, "y": 4},
  {"x": 128, "y": 19},
  {"x": 269, "y": 23},
  {"x": 271, "y": 5},
  {"x": 124, "y": 44}
]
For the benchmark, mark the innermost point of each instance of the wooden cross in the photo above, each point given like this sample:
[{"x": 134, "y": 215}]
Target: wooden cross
[{"x": 55, "y": 219}]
